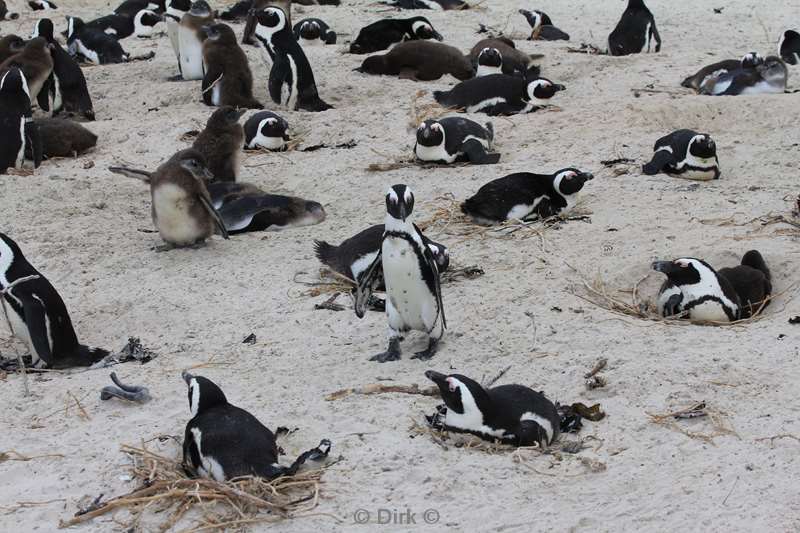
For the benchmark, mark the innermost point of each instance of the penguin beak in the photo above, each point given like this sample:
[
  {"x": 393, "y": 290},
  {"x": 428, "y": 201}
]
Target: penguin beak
[
  {"x": 187, "y": 377},
  {"x": 587, "y": 176},
  {"x": 403, "y": 212},
  {"x": 665, "y": 267},
  {"x": 437, "y": 36},
  {"x": 439, "y": 379},
  {"x": 559, "y": 87}
]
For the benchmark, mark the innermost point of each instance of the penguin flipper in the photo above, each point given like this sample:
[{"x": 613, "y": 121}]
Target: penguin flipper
[
  {"x": 503, "y": 108},
  {"x": 330, "y": 38},
  {"x": 428, "y": 254},
  {"x": 33, "y": 138},
  {"x": 276, "y": 80},
  {"x": 35, "y": 320},
  {"x": 657, "y": 37},
  {"x": 477, "y": 154},
  {"x": 366, "y": 284},
  {"x": 206, "y": 201},
  {"x": 43, "y": 98},
  {"x": 132, "y": 173},
  {"x": 661, "y": 160}
]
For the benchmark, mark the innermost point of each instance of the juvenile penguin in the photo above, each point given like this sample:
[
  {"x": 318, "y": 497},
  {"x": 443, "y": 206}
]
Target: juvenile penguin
[
  {"x": 223, "y": 442},
  {"x": 36, "y": 64},
  {"x": 542, "y": 27},
  {"x": 514, "y": 61},
  {"x": 17, "y": 130},
  {"x": 68, "y": 90},
  {"x": 266, "y": 130},
  {"x": 10, "y": 45},
  {"x": 386, "y": 33},
  {"x": 411, "y": 276},
  {"x": 93, "y": 44},
  {"x": 512, "y": 414},
  {"x": 420, "y": 60},
  {"x": 221, "y": 143},
  {"x": 439, "y": 5},
  {"x": 244, "y": 207},
  {"x": 499, "y": 94},
  {"x": 181, "y": 208},
  {"x": 768, "y": 77},
  {"x": 62, "y": 138},
  {"x": 312, "y": 31},
  {"x": 686, "y": 154},
  {"x": 174, "y": 12},
  {"x": 451, "y": 139},
  {"x": 710, "y": 73},
  {"x": 5, "y": 14},
  {"x": 489, "y": 61},
  {"x": 789, "y": 47},
  {"x": 228, "y": 79},
  {"x": 635, "y": 32},
  {"x": 291, "y": 80},
  {"x": 191, "y": 37},
  {"x": 353, "y": 256},
  {"x": 693, "y": 289},
  {"x": 37, "y": 314},
  {"x": 526, "y": 196}
]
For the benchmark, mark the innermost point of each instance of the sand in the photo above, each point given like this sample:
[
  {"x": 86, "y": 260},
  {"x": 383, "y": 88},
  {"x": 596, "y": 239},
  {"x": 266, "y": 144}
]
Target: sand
[{"x": 88, "y": 231}]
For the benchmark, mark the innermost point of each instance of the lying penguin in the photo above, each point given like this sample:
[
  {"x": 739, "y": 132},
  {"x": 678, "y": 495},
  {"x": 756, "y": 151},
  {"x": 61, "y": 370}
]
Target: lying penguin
[
  {"x": 789, "y": 47},
  {"x": 511, "y": 414},
  {"x": 696, "y": 291},
  {"x": 223, "y": 442},
  {"x": 768, "y": 77},
  {"x": 244, "y": 207},
  {"x": 499, "y": 94},
  {"x": 62, "y": 138},
  {"x": 266, "y": 130},
  {"x": 514, "y": 62},
  {"x": 386, "y": 33},
  {"x": 93, "y": 44},
  {"x": 420, "y": 61},
  {"x": 455, "y": 139},
  {"x": 440, "y": 5},
  {"x": 542, "y": 27},
  {"x": 710, "y": 73},
  {"x": 5, "y": 14},
  {"x": 526, "y": 196},
  {"x": 311, "y": 31},
  {"x": 685, "y": 154},
  {"x": 37, "y": 314}
]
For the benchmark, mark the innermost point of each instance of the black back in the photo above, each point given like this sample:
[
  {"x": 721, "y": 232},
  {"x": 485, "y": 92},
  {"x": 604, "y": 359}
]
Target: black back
[
  {"x": 475, "y": 90},
  {"x": 382, "y": 34},
  {"x": 631, "y": 32},
  {"x": 118, "y": 26},
  {"x": 752, "y": 282},
  {"x": 457, "y": 129},
  {"x": 105, "y": 46},
  {"x": 789, "y": 49},
  {"x": 279, "y": 129}
]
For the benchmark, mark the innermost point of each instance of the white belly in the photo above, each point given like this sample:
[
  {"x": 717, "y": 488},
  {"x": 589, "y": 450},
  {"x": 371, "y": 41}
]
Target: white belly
[
  {"x": 268, "y": 143},
  {"x": 485, "y": 70},
  {"x": 21, "y": 154},
  {"x": 434, "y": 153},
  {"x": 412, "y": 304},
  {"x": 709, "y": 311},
  {"x": 191, "y": 54},
  {"x": 172, "y": 31},
  {"x": 171, "y": 216},
  {"x": 763, "y": 87},
  {"x": 20, "y": 331},
  {"x": 521, "y": 211},
  {"x": 216, "y": 93}
]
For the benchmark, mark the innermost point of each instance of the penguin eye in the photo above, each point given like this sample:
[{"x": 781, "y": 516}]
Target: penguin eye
[{"x": 451, "y": 385}]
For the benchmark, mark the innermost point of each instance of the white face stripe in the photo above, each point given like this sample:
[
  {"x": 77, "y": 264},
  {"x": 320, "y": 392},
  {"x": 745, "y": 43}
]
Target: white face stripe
[
  {"x": 418, "y": 25},
  {"x": 194, "y": 387},
  {"x": 6, "y": 258},
  {"x": 408, "y": 197},
  {"x": 392, "y": 195},
  {"x": 708, "y": 284},
  {"x": 472, "y": 417}
]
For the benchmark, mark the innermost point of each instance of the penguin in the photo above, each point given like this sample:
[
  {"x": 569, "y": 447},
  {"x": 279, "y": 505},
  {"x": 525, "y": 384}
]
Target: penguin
[
  {"x": 353, "y": 256},
  {"x": 130, "y": 8},
  {"x": 489, "y": 61},
  {"x": 244, "y": 207},
  {"x": 789, "y": 47},
  {"x": 312, "y": 31},
  {"x": 181, "y": 206},
  {"x": 237, "y": 12},
  {"x": 526, "y": 196},
  {"x": 253, "y": 7},
  {"x": 223, "y": 442},
  {"x": 266, "y": 130},
  {"x": 221, "y": 143},
  {"x": 694, "y": 290},
  {"x": 5, "y": 14},
  {"x": 62, "y": 138},
  {"x": 514, "y": 61},
  {"x": 41, "y": 5},
  {"x": 686, "y": 154},
  {"x": 634, "y": 32},
  {"x": 712, "y": 72},
  {"x": 173, "y": 13},
  {"x": 68, "y": 88},
  {"x": 420, "y": 60},
  {"x": 37, "y": 314},
  {"x": 512, "y": 414},
  {"x": 768, "y": 77},
  {"x": 36, "y": 64},
  {"x": 227, "y": 79},
  {"x": 145, "y": 22},
  {"x": 451, "y": 139},
  {"x": 17, "y": 130},
  {"x": 411, "y": 275},
  {"x": 499, "y": 94},
  {"x": 93, "y": 44},
  {"x": 10, "y": 45},
  {"x": 123, "y": 26},
  {"x": 386, "y": 33},
  {"x": 291, "y": 80},
  {"x": 439, "y": 5},
  {"x": 542, "y": 27},
  {"x": 190, "y": 39}
]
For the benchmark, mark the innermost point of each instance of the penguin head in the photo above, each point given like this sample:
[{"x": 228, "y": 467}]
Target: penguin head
[
  {"x": 43, "y": 28},
  {"x": 703, "y": 146},
  {"x": 789, "y": 47},
  {"x": 14, "y": 89},
  {"x": 569, "y": 181},
  {"x": 73, "y": 25},
  {"x": 684, "y": 270},
  {"x": 200, "y": 8},
  {"x": 274, "y": 127},
  {"x": 270, "y": 21},
  {"x": 751, "y": 60},
  {"x": 203, "y": 393},
  {"x": 38, "y": 44},
  {"x": 534, "y": 18},
  {"x": 430, "y": 133},
  {"x": 5, "y": 14},
  {"x": 310, "y": 30},
  {"x": 490, "y": 57},
  {"x": 14, "y": 43},
  {"x": 423, "y": 29},
  {"x": 773, "y": 70},
  {"x": 399, "y": 202},
  {"x": 195, "y": 164},
  {"x": 144, "y": 21},
  {"x": 461, "y": 394},
  {"x": 542, "y": 89},
  {"x": 225, "y": 117},
  {"x": 441, "y": 255},
  {"x": 9, "y": 253},
  {"x": 221, "y": 33}
]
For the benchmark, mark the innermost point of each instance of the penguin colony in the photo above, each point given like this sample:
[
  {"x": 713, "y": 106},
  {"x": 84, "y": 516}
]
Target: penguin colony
[{"x": 199, "y": 193}]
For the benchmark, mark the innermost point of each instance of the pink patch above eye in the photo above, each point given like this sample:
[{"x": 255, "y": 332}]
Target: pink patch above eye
[{"x": 451, "y": 384}]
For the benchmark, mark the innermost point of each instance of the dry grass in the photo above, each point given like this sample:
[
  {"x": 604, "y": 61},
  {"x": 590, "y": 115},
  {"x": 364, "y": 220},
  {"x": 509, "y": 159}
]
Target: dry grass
[
  {"x": 720, "y": 426},
  {"x": 420, "y": 112},
  {"x": 165, "y": 492},
  {"x": 330, "y": 282}
]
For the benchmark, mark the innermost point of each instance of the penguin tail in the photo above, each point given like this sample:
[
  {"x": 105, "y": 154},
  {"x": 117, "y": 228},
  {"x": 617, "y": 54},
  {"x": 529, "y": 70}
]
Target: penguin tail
[
  {"x": 533, "y": 72},
  {"x": 754, "y": 259},
  {"x": 325, "y": 252}
]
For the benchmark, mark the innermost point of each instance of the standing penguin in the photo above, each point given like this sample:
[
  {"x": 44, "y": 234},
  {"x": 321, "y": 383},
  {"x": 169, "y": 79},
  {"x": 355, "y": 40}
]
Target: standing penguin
[
  {"x": 312, "y": 31},
  {"x": 175, "y": 10},
  {"x": 223, "y": 442},
  {"x": 686, "y": 154},
  {"x": 451, "y": 139},
  {"x": 500, "y": 94},
  {"x": 17, "y": 130},
  {"x": 542, "y": 27},
  {"x": 37, "y": 314},
  {"x": 386, "y": 33},
  {"x": 191, "y": 37},
  {"x": 221, "y": 143},
  {"x": 291, "y": 80},
  {"x": 512, "y": 414},
  {"x": 181, "y": 206},
  {"x": 411, "y": 276},
  {"x": 635, "y": 31},
  {"x": 266, "y": 130},
  {"x": 789, "y": 47},
  {"x": 36, "y": 64},
  {"x": 526, "y": 196},
  {"x": 227, "y": 79},
  {"x": 68, "y": 90}
]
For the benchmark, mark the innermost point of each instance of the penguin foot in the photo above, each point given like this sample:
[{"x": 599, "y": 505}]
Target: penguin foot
[
  {"x": 386, "y": 356},
  {"x": 176, "y": 77},
  {"x": 426, "y": 354}
]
